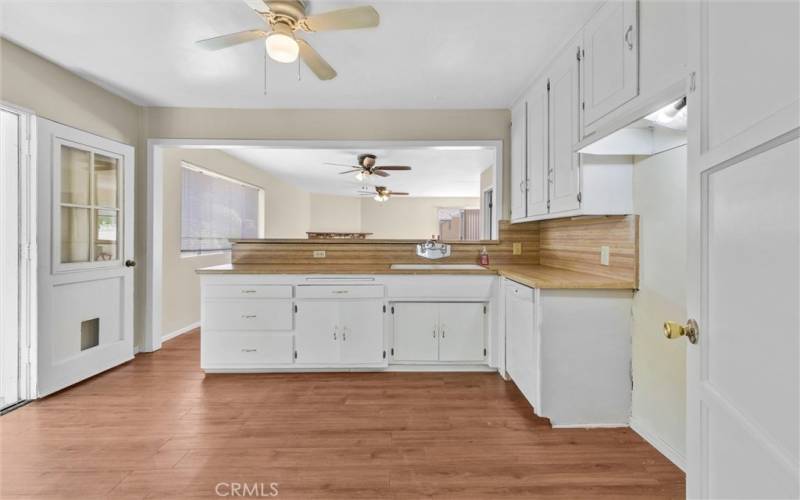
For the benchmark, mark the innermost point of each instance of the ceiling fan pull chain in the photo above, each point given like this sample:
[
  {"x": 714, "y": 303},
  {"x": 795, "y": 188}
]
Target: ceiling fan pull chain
[{"x": 299, "y": 78}]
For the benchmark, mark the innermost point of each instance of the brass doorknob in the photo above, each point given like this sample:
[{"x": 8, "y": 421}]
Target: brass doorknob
[{"x": 673, "y": 330}]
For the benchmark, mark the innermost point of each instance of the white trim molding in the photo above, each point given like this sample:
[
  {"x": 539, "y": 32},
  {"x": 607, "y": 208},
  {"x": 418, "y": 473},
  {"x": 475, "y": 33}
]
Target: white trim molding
[
  {"x": 658, "y": 443},
  {"x": 180, "y": 331}
]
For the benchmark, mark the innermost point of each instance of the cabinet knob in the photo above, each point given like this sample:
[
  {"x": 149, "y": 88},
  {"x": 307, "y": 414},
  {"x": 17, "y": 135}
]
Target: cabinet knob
[
  {"x": 130, "y": 263},
  {"x": 673, "y": 330}
]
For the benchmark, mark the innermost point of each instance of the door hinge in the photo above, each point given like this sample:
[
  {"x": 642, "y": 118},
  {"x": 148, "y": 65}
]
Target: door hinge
[
  {"x": 583, "y": 106},
  {"x": 295, "y": 308},
  {"x": 578, "y": 54},
  {"x": 384, "y": 354},
  {"x": 392, "y": 351},
  {"x": 392, "y": 309},
  {"x": 484, "y": 351},
  {"x": 384, "y": 308},
  {"x": 548, "y": 85},
  {"x": 579, "y": 197},
  {"x": 484, "y": 309},
  {"x": 295, "y": 354}
]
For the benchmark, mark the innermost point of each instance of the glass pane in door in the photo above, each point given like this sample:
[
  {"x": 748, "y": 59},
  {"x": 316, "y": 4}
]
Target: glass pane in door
[
  {"x": 105, "y": 181},
  {"x": 75, "y": 175},
  {"x": 105, "y": 235},
  {"x": 75, "y": 234}
]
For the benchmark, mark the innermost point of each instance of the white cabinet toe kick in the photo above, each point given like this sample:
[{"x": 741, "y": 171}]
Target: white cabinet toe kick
[{"x": 279, "y": 323}]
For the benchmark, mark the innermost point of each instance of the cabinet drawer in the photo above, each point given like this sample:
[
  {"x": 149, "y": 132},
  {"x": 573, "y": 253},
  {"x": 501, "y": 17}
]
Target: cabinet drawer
[
  {"x": 248, "y": 291},
  {"x": 257, "y": 314},
  {"x": 340, "y": 292},
  {"x": 231, "y": 349}
]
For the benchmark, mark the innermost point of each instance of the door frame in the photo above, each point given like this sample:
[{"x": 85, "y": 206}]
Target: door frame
[
  {"x": 27, "y": 298},
  {"x": 151, "y": 341}
]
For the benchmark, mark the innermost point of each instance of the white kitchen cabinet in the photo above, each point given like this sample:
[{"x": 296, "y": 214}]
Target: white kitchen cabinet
[
  {"x": 609, "y": 57},
  {"x": 317, "y": 332},
  {"x": 564, "y": 133},
  {"x": 537, "y": 137},
  {"x": 362, "y": 331},
  {"x": 439, "y": 332},
  {"x": 461, "y": 332},
  {"x": 339, "y": 332},
  {"x": 415, "y": 331},
  {"x": 522, "y": 340},
  {"x": 518, "y": 160}
]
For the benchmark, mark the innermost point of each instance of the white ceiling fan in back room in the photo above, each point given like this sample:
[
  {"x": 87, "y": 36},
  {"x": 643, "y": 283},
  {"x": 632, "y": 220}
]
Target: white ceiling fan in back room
[{"x": 285, "y": 17}]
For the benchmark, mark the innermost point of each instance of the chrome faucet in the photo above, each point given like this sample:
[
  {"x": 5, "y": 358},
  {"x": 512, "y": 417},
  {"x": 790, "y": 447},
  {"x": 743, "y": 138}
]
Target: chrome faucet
[{"x": 433, "y": 249}]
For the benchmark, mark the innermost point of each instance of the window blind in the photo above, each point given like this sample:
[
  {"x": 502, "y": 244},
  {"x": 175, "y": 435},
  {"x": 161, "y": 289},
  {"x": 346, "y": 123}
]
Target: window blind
[{"x": 215, "y": 209}]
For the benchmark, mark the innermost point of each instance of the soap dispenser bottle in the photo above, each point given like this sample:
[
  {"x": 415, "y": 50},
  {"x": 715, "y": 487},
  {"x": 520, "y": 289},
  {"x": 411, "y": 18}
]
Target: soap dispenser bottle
[{"x": 484, "y": 258}]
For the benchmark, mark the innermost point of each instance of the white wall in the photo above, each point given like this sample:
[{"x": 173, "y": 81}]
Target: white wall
[
  {"x": 407, "y": 218},
  {"x": 335, "y": 214},
  {"x": 659, "y": 364},
  {"x": 286, "y": 212}
]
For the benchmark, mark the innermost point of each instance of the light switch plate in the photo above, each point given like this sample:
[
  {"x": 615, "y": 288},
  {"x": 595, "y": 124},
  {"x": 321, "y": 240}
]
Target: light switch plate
[
  {"x": 516, "y": 248},
  {"x": 319, "y": 254},
  {"x": 604, "y": 254}
]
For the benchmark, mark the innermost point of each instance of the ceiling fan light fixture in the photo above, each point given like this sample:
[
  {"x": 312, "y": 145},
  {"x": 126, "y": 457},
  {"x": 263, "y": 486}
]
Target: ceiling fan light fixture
[
  {"x": 380, "y": 198},
  {"x": 281, "y": 44},
  {"x": 360, "y": 176}
]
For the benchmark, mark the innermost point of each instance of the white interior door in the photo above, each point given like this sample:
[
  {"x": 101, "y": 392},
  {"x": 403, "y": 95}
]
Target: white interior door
[
  {"x": 743, "y": 374},
  {"x": 85, "y": 262},
  {"x": 362, "y": 331},
  {"x": 415, "y": 331},
  {"x": 461, "y": 332}
]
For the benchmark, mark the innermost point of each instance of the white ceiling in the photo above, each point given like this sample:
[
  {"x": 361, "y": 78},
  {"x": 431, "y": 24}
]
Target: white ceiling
[
  {"x": 425, "y": 54},
  {"x": 435, "y": 172}
]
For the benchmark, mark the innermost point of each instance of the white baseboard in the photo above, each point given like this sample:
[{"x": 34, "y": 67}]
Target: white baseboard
[
  {"x": 180, "y": 331},
  {"x": 588, "y": 426},
  {"x": 659, "y": 444}
]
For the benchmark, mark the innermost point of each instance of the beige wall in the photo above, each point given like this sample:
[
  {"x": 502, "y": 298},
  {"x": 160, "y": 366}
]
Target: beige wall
[
  {"x": 407, "y": 218},
  {"x": 659, "y": 365},
  {"x": 286, "y": 212},
  {"x": 335, "y": 214}
]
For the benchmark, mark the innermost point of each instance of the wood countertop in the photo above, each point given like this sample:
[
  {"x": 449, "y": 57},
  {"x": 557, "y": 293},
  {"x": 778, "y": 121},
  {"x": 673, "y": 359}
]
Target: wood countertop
[{"x": 535, "y": 276}]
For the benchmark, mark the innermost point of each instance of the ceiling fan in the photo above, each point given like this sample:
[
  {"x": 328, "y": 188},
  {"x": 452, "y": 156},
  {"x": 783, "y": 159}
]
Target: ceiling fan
[
  {"x": 285, "y": 17},
  {"x": 381, "y": 193},
  {"x": 366, "y": 167}
]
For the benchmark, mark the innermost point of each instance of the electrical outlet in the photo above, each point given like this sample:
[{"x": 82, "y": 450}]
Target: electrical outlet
[
  {"x": 319, "y": 254},
  {"x": 604, "y": 254},
  {"x": 516, "y": 248}
]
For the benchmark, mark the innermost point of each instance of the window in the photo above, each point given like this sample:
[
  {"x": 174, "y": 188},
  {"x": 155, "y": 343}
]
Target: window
[
  {"x": 459, "y": 224},
  {"x": 215, "y": 209}
]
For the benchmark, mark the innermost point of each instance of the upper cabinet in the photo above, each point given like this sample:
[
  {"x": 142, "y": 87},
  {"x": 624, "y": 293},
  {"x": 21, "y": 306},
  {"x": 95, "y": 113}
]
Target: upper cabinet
[
  {"x": 538, "y": 138},
  {"x": 564, "y": 132},
  {"x": 609, "y": 57},
  {"x": 518, "y": 160}
]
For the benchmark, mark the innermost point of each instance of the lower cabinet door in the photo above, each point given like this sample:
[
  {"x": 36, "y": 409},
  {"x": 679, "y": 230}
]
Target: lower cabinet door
[
  {"x": 461, "y": 327},
  {"x": 362, "y": 332},
  {"x": 245, "y": 349},
  {"x": 317, "y": 332},
  {"x": 415, "y": 331}
]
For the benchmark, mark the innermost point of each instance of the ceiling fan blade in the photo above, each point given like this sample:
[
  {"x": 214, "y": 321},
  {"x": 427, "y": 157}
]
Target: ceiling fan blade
[
  {"x": 341, "y": 165},
  {"x": 379, "y": 173},
  {"x": 315, "y": 62},
  {"x": 225, "y": 41},
  {"x": 392, "y": 193},
  {"x": 257, "y": 5},
  {"x": 350, "y": 171},
  {"x": 392, "y": 168},
  {"x": 344, "y": 19}
]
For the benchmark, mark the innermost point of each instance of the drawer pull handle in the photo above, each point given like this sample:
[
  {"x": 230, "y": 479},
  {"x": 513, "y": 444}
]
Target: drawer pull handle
[
  {"x": 248, "y": 316},
  {"x": 248, "y": 291},
  {"x": 340, "y": 291},
  {"x": 249, "y": 350}
]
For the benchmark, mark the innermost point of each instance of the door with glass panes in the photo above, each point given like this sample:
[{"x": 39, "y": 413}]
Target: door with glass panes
[{"x": 85, "y": 255}]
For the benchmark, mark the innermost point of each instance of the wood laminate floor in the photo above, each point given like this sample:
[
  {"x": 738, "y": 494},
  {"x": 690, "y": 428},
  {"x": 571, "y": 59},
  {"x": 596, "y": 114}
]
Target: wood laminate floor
[{"x": 157, "y": 427}]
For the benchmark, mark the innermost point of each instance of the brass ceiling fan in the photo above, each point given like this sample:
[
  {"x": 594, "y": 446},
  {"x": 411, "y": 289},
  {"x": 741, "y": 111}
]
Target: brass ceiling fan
[
  {"x": 380, "y": 193},
  {"x": 367, "y": 166},
  {"x": 285, "y": 17}
]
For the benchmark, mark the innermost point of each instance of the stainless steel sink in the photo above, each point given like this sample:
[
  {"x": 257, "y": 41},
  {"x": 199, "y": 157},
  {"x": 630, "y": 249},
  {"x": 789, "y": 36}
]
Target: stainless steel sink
[{"x": 434, "y": 267}]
